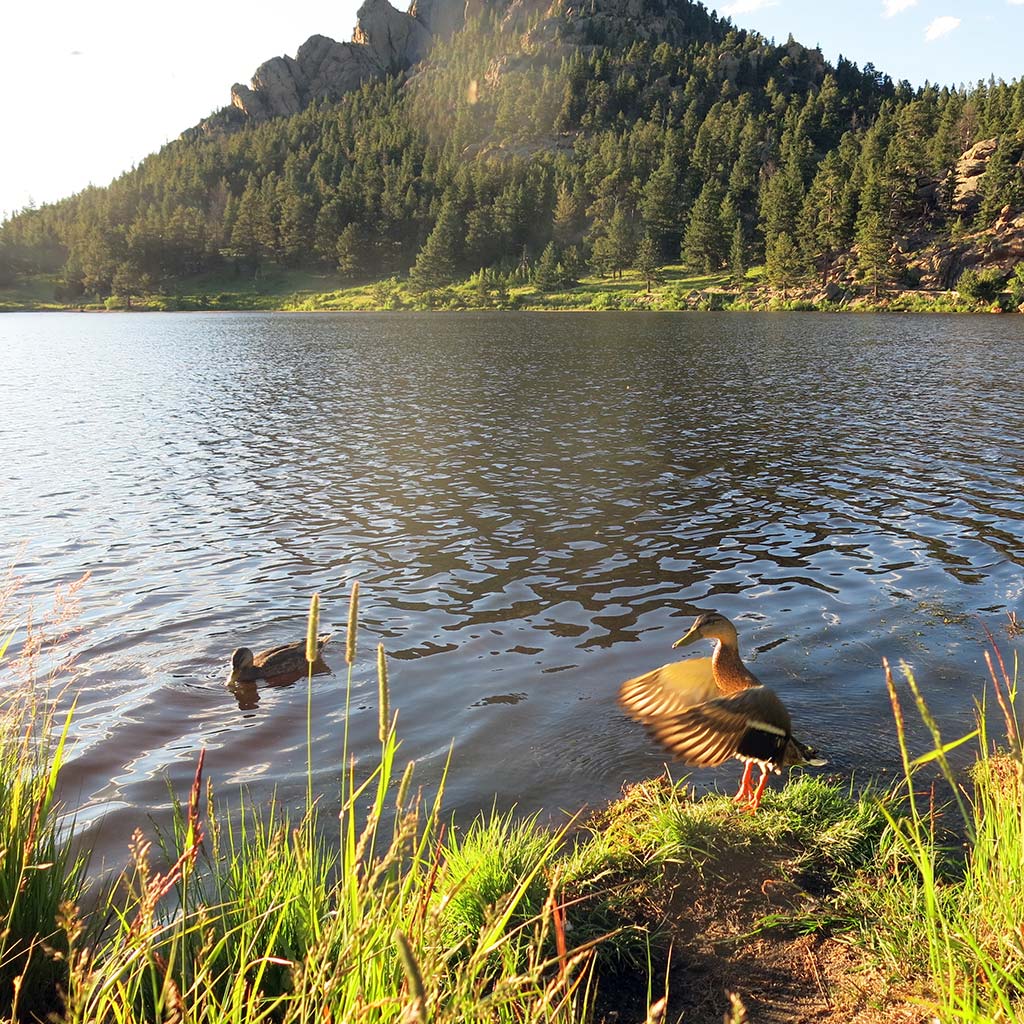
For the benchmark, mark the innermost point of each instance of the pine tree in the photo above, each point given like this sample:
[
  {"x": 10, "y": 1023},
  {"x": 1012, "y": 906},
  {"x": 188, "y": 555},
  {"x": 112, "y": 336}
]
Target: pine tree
[
  {"x": 782, "y": 263},
  {"x": 566, "y": 216},
  {"x": 781, "y": 200},
  {"x": 822, "y": 232},
  {"x": 296, "y": 228},
  {"x": 737, "y": 255},
  {"x": 874, "y": 246},
  {"x": 347, "y": 252},
  {"x": 435, "y": 263},
  {"x": 480, "y": 246},
  {"x": 245, "y": 242},
  {"x": 648, "y": 260},
  {"x": 128, "y": 281},
  {"x": 549, "y": 274},
  {"x": 329, "y": 224},
  {"x": 622, "y": 241},
  {"x": 702, "y": 246},
  {"x": 602, "y": 257},
  {"x": 660, "y": 208}
]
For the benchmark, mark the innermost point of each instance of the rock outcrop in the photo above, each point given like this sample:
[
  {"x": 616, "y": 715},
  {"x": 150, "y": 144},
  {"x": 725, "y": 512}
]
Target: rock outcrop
[
  {"x": 441, "y": 18},
  {"x": 968, "y": 173},
  {"x": 395, "y": 39},
  {"x": 385, "y": 41},
  {"x": 322, "y": 69}
]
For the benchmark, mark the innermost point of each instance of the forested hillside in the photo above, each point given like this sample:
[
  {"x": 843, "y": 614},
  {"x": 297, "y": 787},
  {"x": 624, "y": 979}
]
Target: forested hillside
[{"x": 542, "y": 145}]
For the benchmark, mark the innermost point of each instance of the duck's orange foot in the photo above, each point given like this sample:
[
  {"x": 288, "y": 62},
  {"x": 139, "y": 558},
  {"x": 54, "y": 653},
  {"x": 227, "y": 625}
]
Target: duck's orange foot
[
  {"x": 746, "y": 790},
  {"x": 754, "y": 795}
]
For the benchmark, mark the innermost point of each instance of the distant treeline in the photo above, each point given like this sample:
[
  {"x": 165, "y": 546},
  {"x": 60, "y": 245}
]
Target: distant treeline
[{"x": 728, "y": 150}]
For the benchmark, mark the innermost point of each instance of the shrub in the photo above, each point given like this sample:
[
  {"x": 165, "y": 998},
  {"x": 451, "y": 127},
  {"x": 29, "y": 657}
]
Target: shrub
[
  {"x": 1015, "y": 286},
  {"x": 607, "y": 300},
  {"x": 980, "y": 285}
]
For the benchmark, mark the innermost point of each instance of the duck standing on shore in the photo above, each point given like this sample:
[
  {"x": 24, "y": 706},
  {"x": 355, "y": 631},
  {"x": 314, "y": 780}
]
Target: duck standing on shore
[{"x": 707, "y": 710}]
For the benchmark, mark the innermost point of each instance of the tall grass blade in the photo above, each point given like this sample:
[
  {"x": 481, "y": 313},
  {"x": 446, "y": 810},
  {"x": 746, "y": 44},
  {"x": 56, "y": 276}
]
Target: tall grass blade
[{"x": 383, "y": 696}]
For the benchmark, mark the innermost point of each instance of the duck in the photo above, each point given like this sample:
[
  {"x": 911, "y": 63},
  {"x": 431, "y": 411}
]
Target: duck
[
  {"x": 708, "y": 710},
  {"x": 287, "y": 659}
]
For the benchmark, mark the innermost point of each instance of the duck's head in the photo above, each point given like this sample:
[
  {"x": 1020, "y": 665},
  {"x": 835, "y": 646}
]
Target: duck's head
[
  {"x": 240, "y": 659},
  {"x": 709, "y": 626}
]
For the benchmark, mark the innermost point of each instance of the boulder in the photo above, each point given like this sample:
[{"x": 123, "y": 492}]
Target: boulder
[
  {"x": 278, "y": 89},
  {"x": 968, "y": 173},
  {"x": 395, "y": 39},
  {"x": 323, "y": 69},
  {"x": 385, "y": 41},
  {"x": 832, "y": 292},
  {"x": 332, "y": 69}
]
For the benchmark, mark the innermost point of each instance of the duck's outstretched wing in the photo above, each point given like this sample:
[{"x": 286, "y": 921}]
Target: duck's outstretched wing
[
  {"x": 668, "y": 690},
  {"x": 752, "y": 724}
]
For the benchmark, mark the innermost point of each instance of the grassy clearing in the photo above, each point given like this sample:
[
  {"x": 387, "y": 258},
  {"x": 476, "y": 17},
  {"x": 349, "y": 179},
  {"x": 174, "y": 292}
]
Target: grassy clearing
[
  {"x": 391, "y": 913},
  {"x": 677, "y": 289}
]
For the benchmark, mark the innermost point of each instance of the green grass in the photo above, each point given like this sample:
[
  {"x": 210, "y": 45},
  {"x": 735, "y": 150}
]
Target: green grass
[
  {"x": 277, "y": 288},
  {"x": 942, "y": 900},
  {"x": 674, "y": 291},
  {"x": 38, "y": 872}
]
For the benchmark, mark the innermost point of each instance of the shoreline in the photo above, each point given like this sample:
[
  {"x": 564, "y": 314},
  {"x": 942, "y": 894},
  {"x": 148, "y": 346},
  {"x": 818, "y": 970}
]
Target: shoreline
[
  {"x": 677, "y": 291},
  {"x": 824, "y": 310}
]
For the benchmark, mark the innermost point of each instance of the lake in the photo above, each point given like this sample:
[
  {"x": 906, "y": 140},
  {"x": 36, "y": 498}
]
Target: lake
[{"x": 535, "y": 506}]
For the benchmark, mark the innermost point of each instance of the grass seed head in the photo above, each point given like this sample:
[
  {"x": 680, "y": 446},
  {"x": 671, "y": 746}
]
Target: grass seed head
[
  {"x": 353, "y": 619},
  {"x": 312, "y": 650}
]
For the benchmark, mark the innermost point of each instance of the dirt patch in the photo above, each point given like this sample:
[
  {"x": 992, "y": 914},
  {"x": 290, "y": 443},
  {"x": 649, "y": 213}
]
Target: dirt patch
[{"x": 727, "y": 964}]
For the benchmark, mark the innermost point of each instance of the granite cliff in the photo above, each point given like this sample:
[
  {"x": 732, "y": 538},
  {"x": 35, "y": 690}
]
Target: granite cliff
[{"x": 385, "y": 41}]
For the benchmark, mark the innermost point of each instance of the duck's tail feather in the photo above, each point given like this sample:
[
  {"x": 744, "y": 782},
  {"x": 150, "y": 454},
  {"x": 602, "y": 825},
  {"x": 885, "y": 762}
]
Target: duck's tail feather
[{"x": 801, "y": 753}]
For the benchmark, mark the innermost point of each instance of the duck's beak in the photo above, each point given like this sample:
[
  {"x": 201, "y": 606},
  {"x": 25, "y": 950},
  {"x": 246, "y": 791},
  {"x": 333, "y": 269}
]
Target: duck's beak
[
  {"x": 691, "y": 637},
  {"x": 233, "y": 678}
]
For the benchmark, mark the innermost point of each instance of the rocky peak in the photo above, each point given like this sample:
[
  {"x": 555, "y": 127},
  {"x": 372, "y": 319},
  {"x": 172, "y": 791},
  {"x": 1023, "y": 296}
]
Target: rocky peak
[
  {"x": 385, "y": 41},
  {"x": 388, "y": 41},
  {"x": 396, "y": 40}
]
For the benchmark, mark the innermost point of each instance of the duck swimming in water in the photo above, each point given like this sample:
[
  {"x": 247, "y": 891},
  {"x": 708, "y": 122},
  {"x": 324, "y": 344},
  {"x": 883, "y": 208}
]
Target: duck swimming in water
[
  {"x": 288, "y": 659},
  {"x": 706, "y": 710}
]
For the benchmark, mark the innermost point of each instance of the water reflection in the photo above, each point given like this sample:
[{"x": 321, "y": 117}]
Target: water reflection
[
  {"x": 247, "y": 692},
  {"x": 533, "y": 505}
]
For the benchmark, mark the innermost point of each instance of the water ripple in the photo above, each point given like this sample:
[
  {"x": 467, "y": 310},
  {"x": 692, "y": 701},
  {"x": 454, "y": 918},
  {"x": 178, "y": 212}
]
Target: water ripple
[{"x": 534, "y": 506}]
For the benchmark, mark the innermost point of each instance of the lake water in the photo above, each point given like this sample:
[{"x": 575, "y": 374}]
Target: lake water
[{"x": 535, "y": 507}]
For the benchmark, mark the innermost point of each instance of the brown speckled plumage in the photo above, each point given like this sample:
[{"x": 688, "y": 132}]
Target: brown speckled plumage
[
  {"x": 707, "y": 710},
  {"x": 276, "y": 661}
]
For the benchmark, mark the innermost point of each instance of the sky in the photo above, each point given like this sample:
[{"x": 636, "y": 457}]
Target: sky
[{"x": 89, "y": 89}]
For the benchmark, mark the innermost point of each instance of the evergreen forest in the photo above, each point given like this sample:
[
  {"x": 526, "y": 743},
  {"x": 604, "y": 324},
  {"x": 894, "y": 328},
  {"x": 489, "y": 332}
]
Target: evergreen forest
[{"x": 515, "y": 159}]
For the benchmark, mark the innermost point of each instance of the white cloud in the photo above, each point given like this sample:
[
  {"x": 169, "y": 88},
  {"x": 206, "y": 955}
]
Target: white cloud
[
  {"x": 750, "y": 6},
  {"x": 941, "y": 27},
  {"x": 1016, "y": 3},
  {"x": 895, "y": 6}
]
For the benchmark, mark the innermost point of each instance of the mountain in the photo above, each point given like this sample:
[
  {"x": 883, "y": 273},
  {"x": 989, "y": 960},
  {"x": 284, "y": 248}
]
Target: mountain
[
  {"x": 522, "y": 137},
  {"x": 387, "y": 41}
]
